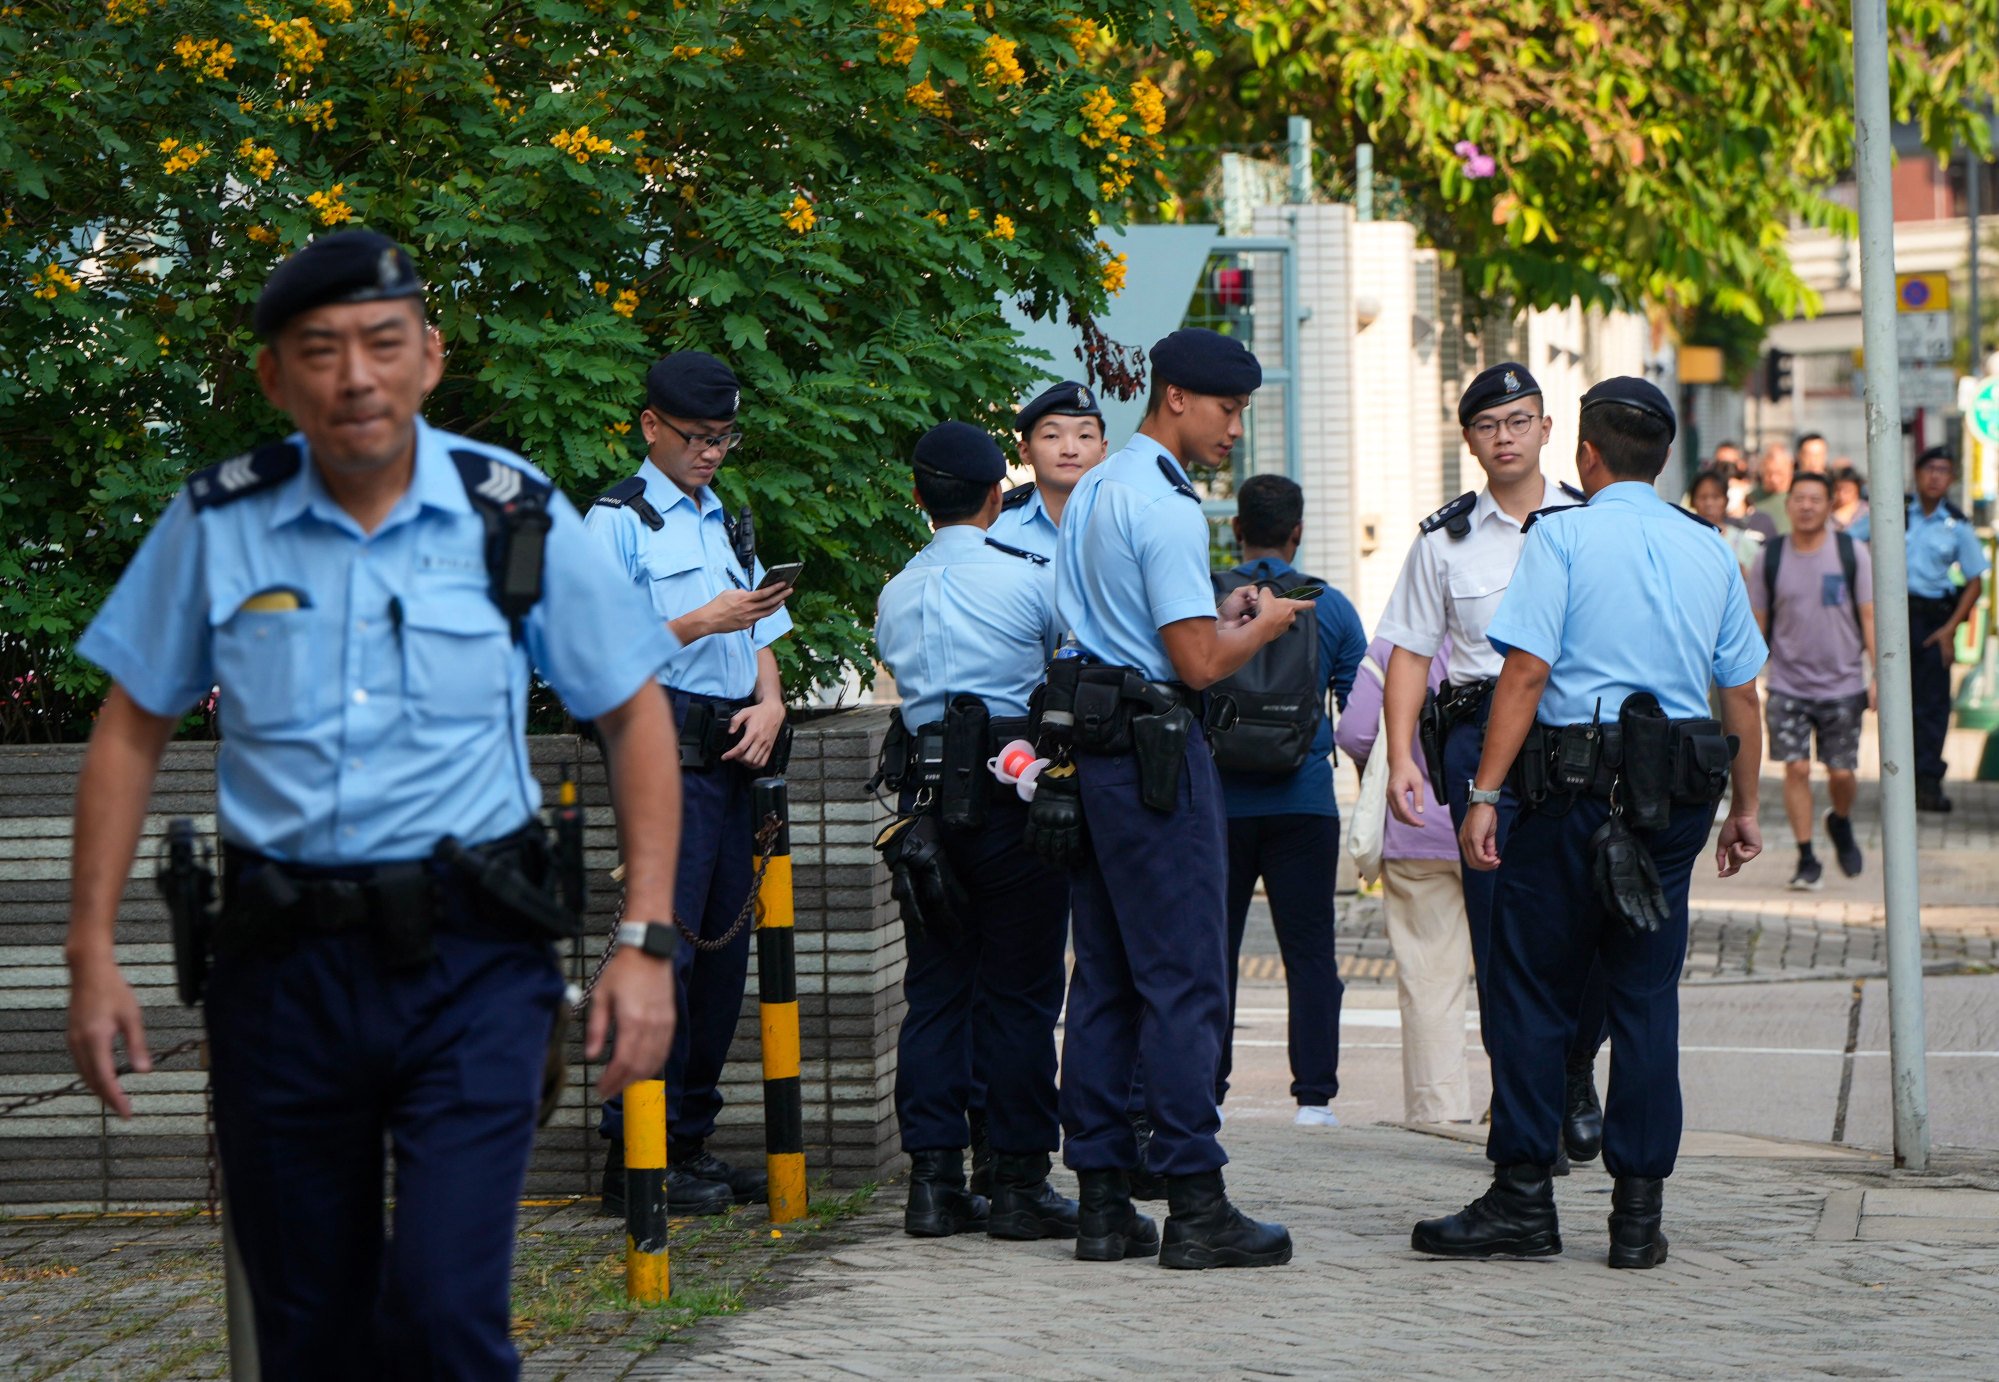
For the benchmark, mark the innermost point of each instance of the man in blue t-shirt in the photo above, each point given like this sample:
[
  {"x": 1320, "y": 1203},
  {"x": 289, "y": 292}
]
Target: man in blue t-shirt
[{"x": 1285, "y": 828}]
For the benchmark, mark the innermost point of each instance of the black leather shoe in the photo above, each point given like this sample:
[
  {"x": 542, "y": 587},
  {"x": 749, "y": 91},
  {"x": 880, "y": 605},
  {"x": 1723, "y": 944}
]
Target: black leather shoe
[
  {"x": 687, "y": 1193},
  {"x": 746, "y": 1185},
  {"x": 1582, "y": 1126},
  {"x": 981, "y": 1182},
  {"x": 1205, "y": 1230},
  {"x": 1929, "y": 795},
  {"x": 1636, "y": 1203},
  {"x": 1561, "y": 1166},
  {"x": 1144, "y": 1184},
  {"x": 1108, "y": 1227},
  {"x": 612, "y": 1191},
  {"x": 939, "y": 1205},
  {"x": 1024, "y": 1205},
  {"x": 1515, "y": 1218}
]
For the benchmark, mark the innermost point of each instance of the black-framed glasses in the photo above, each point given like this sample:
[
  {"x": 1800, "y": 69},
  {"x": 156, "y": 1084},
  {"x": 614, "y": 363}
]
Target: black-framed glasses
[
  {"x": 1518, "y": 425},
  {"x": 727, "y": 441}
]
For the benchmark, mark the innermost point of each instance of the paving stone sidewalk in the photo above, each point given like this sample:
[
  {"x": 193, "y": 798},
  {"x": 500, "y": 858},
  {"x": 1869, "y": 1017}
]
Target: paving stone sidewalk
[{"x": 1760, "y": 1284}]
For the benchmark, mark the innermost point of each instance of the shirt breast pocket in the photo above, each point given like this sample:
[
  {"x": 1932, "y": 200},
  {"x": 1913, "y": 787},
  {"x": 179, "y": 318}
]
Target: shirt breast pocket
[
  {"x": 1475, "y": 595},
  {"x": 458, "y": 656},
  {"x": 264, "y": 665},
  {"x": 677, "y": 583}
]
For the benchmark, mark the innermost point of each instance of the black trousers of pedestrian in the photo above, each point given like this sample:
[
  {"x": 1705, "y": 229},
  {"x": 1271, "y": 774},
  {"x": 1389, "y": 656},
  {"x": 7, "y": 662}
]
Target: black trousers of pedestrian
[
  {"x": 1929, "y": 683},
  {"x": 1297, "y": 857}
]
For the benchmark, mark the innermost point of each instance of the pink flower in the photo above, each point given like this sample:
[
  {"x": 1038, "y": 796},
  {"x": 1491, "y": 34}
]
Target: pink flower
[
  {"x": 1464, "y": 148},
  {"x": 1476, "y": 165}
]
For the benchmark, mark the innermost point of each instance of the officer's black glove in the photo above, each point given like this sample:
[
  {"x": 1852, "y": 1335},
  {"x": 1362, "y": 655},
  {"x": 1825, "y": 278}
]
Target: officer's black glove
[
  {"x": 920, "y": 877},
  {"x": 1626, "y": 879},
  {"x": 1055, "y": 816}
]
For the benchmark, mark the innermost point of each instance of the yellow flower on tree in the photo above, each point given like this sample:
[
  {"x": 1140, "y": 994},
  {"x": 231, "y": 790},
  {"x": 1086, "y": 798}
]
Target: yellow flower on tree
[
  {"x": 1002, "y": 227},
  {"x": 181, "y": 157},
  {"x": 998, "y": 65},
  {"x": 329, "y": 205},
  {"x": 209, "y": 59},
  {"x": 579, "y": 143},
  {"x": 1101, "y": 117},
  {"x": 51, "y": 280},
  {"x": 262, "y": 162},
  {"x": 1114, "y": 270},
  {"x": 801, "y": 217},
  {"x": 263, "y": 235},
  {"x": 625, "y": 303},
  {"x": 1148, "y": 103},
  {"x": 300, "y": 48},
  {"x": 928, "y": 99},
  {"x": 339, "y": 11}
]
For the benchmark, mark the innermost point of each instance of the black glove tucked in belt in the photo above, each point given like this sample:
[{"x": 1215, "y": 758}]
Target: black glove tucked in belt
[{"x": 1055, "y": 816}]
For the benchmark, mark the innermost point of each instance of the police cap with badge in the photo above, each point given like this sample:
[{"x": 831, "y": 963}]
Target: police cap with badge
[
  {"x": 695, "y": 385},
  {"x": 1640, "y": 394},
  {"x": 1203, "y": 361},
  {"x": 346, "y": 266},
  {"x": 1504, "y": 382},
  {"x": 1066, "y": 399}
]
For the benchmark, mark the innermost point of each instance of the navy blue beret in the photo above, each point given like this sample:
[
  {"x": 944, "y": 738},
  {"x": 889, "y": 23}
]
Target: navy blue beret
[
  {"x": 346, "y": 266},
  {"x": 694, "y": 385},
  {"x": 1641, "y": 394},
  {"x": 961, "y": 451},
  {"x": 1203, "y": 361},
  {"x": 1066, "y": 399},
  {"x": 1502, "y": 383}
]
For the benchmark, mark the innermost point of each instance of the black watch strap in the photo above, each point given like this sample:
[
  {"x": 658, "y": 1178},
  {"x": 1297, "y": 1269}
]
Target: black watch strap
[{"x": 655, "y": 938}]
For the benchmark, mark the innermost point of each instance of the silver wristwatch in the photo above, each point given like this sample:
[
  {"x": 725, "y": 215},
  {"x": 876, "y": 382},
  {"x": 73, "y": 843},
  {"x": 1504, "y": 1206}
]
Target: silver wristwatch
[
  {"x": 1479, "y": 798},
  {"x": 655, "y": 938}
]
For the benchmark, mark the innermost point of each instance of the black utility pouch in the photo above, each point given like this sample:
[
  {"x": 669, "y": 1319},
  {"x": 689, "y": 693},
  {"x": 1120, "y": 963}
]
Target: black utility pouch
[
  {"x": 780, "y": 753},
  {"x": 697, "y": 733},
  {"x": 1101, "y": 718},
  {"x": 1051, "y": 710},
  {"x": 1532, "y": 765},
  {"x": 1647, "y": 737},
  {"x": 1702, "y": 756},
  {"x": 892, "y": 768},
  {"x": 926, "y": 770},
  {"x": 1159, "y": 742},
  {"x": 968, "y": 732},
  {"x": 1578, "y": 750}
]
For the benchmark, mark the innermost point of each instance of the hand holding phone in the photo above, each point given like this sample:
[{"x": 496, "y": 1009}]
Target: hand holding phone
[
  {"x": 1310, "y": 591},
  {"x": 785, "y": 574}
]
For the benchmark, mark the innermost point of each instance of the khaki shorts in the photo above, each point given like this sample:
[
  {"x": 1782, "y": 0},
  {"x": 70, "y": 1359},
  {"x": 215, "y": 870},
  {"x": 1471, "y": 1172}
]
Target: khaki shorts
[{"x": 1794, "y": 720}]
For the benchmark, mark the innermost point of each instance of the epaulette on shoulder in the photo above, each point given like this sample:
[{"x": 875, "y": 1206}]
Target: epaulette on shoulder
[
  {"x": 1454, "y": 517},
  {"x": 1018, "y": 497},
  {"x": 1696, "y": 517},
  {"x": 1565, "y": 487},
  {"x": 239, "y": 477},
  {"x": 631, "y": 494},
  {"x": 493, "y": 483},
  {"x": 1954, "y": 511},
  {"x": 1174, "y": 478},
  {"x": 1034, "y": 557},
  {"x": 1539, "y": 514}
]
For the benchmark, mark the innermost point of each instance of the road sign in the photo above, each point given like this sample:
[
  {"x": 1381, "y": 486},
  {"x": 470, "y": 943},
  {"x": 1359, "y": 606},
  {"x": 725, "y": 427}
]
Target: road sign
[
  {"x": 1981, "y": 408},
  {"x": 1923, "y": 336},
  {"x": 1929, "y": 386},
  {"x": 1922, "y": 292}
]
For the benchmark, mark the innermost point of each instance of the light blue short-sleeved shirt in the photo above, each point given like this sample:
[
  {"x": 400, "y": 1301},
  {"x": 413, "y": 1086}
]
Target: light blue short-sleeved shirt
[
  {"x": 1936, "y": 542},
  {"x": 1027, "y": 526},
  {"x": 681, "y": 567},
  {"x": 373, "y": 698},
  {"x": 965, "y": 618},
  {"x": 1132, "y": 558},
  {"x": 1628, "y": 593}
]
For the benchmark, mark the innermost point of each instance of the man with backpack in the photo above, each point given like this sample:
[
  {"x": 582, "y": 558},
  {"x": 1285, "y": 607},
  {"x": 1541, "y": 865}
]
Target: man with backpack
[
  {"x": 1277, "y": 786},
  {"x": 1813, "y": 593}
]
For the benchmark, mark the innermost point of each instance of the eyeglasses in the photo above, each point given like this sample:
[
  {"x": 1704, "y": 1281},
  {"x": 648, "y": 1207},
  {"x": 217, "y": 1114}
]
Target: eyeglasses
[
  {"x": 1518, "y": 425},
  {"x": 726, "y": 441}
]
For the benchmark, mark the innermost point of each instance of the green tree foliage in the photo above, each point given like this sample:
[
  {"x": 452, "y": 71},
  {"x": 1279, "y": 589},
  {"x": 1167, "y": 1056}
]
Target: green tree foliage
[
  {"x": 1646, "y": 152},
  {"x": 832, "y": 195}
]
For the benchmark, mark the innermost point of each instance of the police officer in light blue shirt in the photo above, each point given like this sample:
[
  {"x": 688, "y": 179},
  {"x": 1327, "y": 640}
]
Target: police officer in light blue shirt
[
  {"x": 697, "y": 566},
  {"x": 1940, "y": 537},
  {"x": 371, "y": 648},
  {"x": 1060, "y": 433},
  {"x": 966, "y": 629},
  {"x": 1621, "y": 615},
  {"x": 1150, "y": 981}
]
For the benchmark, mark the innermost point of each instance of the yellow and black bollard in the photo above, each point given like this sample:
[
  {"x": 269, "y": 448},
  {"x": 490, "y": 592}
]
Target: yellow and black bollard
[
  {"x": 647, "y": 1281},
  {"x": 777, "y": 993}
]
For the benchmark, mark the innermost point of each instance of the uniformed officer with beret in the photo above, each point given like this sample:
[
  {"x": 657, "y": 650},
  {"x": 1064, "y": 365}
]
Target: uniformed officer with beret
[
  {"x": 1136, "y": 804},
  {"x": 1060, "y": 432},
  {"x": 1622, "y": 614},
  {"x": 1451, "y": 584},
  {"x": 372, "y": 648},
  {"x": 697, "y": 567},
  {"x": 966, "y": 629}
]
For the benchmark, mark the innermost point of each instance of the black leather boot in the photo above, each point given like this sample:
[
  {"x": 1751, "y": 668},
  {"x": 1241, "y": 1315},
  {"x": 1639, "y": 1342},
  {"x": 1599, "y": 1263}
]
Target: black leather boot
[
  {"x": 1636, "y": 1203},
  {"x": 1205, "y": 1230},
  {"x": 612, "y": 1190},
  {"x": 982, "y": 1154},
  {"x": 1582, "y": 1125},
  {"x": 746, "y": 1185},
  {"x": 939, "y": 1204},
  {"x": 1024, "y": 1205},
  {"x": 1515, "y": 1218},
  {"x": 687, "y": 1193},
  {"x": 1108, "y": 1228},
  {"x": 1144, "y": 1184}
]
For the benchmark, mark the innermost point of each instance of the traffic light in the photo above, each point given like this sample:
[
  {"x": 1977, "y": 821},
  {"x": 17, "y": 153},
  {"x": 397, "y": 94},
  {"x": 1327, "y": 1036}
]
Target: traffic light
[{"x": 1776, "y": 375}]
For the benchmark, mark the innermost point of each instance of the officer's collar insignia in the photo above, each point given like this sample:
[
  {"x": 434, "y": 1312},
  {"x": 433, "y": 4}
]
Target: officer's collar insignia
[{"x": 1512, "y": 382}]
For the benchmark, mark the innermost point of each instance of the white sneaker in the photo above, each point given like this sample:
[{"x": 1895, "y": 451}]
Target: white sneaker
[
  {"x": 1221, "y": 1114},
  {"x": 1316, "y": 1116}
]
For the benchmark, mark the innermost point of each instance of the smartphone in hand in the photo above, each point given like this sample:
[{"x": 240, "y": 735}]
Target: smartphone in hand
[{"x": 785, "y": 574}]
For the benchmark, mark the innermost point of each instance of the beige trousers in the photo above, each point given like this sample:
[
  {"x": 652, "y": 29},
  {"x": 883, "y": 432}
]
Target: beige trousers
[{"x": 1424, "y": 903}]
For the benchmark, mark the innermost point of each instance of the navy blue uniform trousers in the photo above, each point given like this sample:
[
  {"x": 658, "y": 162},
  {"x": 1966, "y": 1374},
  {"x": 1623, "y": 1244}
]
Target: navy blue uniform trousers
[
  {"x": 994, "y": 985},
  {"x": 716, "y": 871},
  {"x": 1297, "y": 857},
  {"x": 1461, "y": 754},
  {"x": 316, "y": 1056},
  {"x": 1929, "y": 682},
  {"x": 1548, "y": 932},
  {"x": 1151, "y": 977}
]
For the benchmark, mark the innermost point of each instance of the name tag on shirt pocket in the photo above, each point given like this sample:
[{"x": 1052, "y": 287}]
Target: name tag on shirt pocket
[
  {"x": 458, "y": 655},
  {"x": 263, "y": 650}
]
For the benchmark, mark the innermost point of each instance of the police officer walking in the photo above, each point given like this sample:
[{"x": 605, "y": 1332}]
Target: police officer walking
[
  {"x": 382, "y": 965},
  {"x": 966, "y": 629},
  {"x": 1621, "y": 615},
  {"x": 1061, "y": 435},
  {"x": 697, "y": 566},
  {"x": 1134, "y": 804},
  {"x": 1452, "y": 582}
]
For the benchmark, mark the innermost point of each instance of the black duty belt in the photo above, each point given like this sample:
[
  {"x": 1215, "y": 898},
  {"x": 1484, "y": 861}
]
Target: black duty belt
[
  {"x": 1649, "y": 766},
  {"x": 703, "y": 725},
  {"x": 1457, "y": 704}
]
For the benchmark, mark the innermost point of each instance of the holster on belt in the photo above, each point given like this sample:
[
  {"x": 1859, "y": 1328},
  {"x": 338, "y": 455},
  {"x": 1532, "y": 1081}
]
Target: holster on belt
[
  {"x": 1430, "y": 735},
  {"x": 898, "y": 746},
  {"x": 187, "y": 883},
  {"x": 1645, "y": 748},
  {"x": 966, "y": 739},
  {"x": 1159, "y": 744}
]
